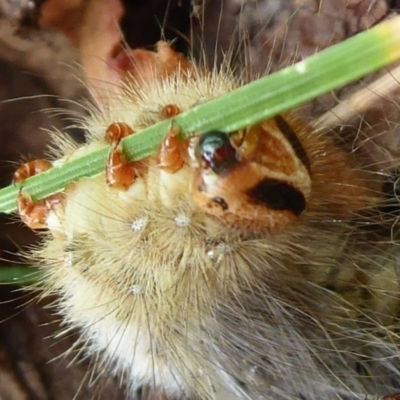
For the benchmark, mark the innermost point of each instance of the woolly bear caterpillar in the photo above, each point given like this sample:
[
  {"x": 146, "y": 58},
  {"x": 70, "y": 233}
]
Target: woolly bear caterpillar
[{"x": 259, "y": 265}]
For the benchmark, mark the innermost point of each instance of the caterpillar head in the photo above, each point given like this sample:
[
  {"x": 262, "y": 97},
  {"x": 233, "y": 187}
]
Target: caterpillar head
[{"x": 253, "y": 179}]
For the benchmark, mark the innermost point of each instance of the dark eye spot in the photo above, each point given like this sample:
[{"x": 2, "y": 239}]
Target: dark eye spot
[
  {"x": 216, "y": 150},
  {"x": 278, "y": 195}
]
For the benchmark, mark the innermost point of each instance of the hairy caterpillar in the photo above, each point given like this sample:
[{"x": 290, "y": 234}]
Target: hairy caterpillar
[{"x": 261, "y": 265}]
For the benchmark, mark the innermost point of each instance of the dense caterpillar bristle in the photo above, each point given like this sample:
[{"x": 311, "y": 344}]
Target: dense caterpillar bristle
[{"x": 182, "y": 286}]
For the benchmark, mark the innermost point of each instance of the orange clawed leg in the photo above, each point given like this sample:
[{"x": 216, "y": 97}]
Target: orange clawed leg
[
  {"x": 170, "y": 156},
  {"x": 34, "y": 213},
  {"x": 120, "y": 174}
]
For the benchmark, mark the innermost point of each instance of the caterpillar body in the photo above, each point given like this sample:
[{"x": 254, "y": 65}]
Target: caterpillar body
[{"x": 257, "y": 265}]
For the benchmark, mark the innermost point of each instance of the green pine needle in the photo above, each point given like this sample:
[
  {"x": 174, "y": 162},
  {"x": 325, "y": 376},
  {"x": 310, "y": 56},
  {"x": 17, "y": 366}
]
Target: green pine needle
[{"x": 251, "y": 104}]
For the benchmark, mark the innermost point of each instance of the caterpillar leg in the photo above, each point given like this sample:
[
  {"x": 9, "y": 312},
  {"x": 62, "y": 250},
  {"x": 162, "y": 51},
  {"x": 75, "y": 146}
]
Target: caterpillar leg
[
  {"x": 34, "y": 213},
  {"x": 120, "y": 174},
  {"x": 31, "y": 168},
  {"x": 170, "y": 157}
]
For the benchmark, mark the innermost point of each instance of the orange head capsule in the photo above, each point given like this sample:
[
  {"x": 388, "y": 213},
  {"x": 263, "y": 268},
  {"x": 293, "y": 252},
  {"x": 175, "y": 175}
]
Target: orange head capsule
[{"x": 249, "y": 185}]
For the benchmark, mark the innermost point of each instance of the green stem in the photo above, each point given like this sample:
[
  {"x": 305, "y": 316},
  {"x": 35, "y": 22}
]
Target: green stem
[
  {"x": 258, "y": 101},
  {"x": 16, "y": 275}
]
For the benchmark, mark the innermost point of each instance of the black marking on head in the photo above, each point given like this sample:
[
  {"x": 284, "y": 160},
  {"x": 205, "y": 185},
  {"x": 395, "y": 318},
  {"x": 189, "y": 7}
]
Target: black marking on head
[
  {"x": 221, "y": 202},
  {"x": 216, "y": 150},
  {"x": 278, "y": 195},
  {"x": 291, "y": 137}
]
